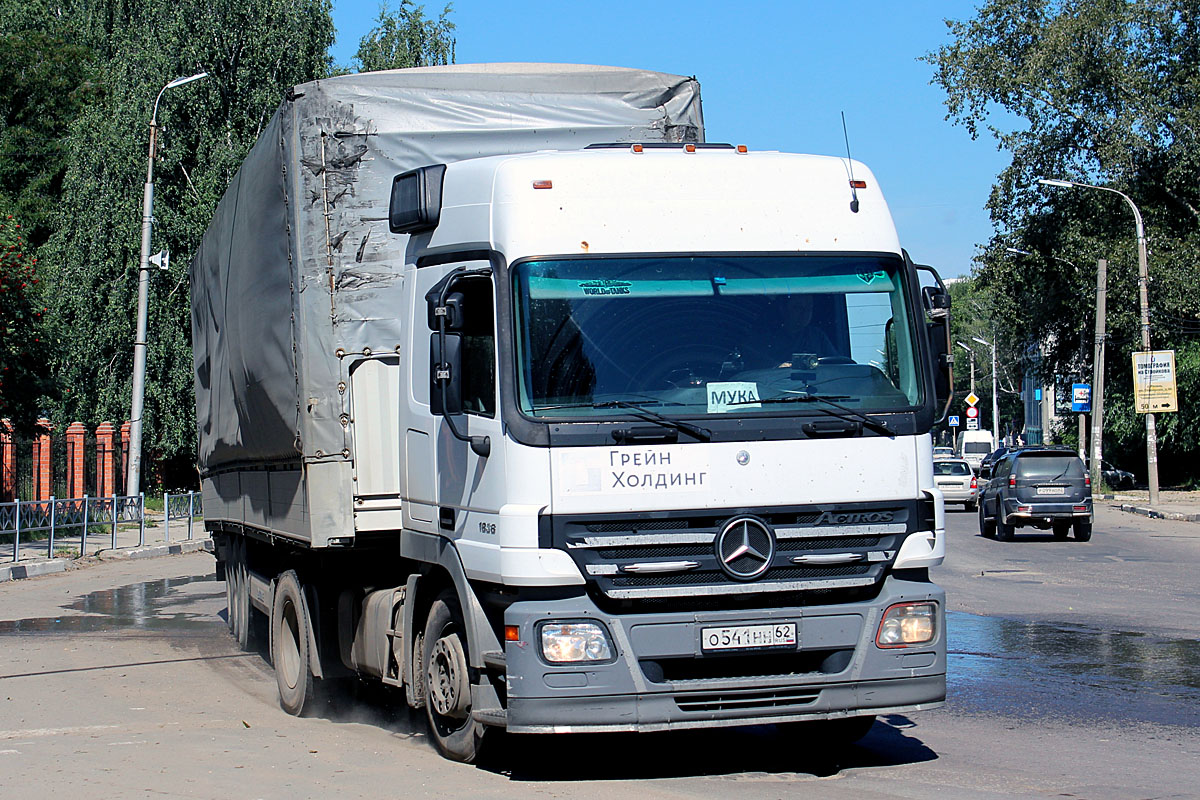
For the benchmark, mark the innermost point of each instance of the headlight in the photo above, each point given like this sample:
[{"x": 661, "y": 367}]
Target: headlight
[
  {"x": 906, "y": 624},
  {"x": 569, "y": 642}
]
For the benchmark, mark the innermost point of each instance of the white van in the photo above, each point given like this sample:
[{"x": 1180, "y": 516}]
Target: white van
[{"x": 974, "y": 445}]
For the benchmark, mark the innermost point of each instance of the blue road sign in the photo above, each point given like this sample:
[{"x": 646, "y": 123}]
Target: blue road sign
[
  {"x": 1081, "y": 397},
  {"x": 953, "y": 421}
]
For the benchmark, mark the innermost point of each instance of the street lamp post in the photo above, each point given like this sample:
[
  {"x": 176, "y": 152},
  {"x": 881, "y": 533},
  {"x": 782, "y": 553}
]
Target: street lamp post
[
  {"x": 1151, "y": 434},
  {"x": 972, "y": 354},
  {"x": 995, "y": 404},
  {"x": 134, "y": 472}
]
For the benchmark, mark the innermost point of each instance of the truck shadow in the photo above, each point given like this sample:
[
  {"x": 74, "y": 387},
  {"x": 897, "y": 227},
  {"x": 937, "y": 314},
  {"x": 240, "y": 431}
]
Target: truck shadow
[{"x": 772, "y": 749}]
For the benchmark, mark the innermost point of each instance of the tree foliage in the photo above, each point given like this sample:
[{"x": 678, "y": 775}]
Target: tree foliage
[
  {"x": 406, "y": 38},
  {"x": 22, "y": 343},
  {"x": 1106, "y": 93}
]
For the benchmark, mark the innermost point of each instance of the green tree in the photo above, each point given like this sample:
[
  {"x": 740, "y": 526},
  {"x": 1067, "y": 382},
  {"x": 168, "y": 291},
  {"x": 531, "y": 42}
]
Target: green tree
[
  {"x": 254, "y": 51},
  {"x": 22, "y": 343},
  {"x": 406, "y": 38},
  {"x": 1105, "y": 93}
]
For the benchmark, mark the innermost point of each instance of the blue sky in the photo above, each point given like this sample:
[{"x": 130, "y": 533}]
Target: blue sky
[{"x": 774, "y": 76}]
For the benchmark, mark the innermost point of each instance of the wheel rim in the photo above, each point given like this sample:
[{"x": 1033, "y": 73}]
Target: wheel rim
[
  {"x": 289, "y": 646},
  {"x": 446, "y": 678}
]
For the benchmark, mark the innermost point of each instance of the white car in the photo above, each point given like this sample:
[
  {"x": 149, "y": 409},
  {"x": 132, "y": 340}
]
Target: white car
[
  {"x": 957, "y": 481},
  {"x": 943, "y": 452}
]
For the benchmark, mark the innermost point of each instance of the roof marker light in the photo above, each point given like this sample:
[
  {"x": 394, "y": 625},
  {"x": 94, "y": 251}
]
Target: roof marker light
[
  {"x": 543, "y": 184},
  {"x": 856, "y": 184},
  {"x": 741, "y": 148},
  {"x": 637, "y": 148},
  {"x": 689, "y": 148}
]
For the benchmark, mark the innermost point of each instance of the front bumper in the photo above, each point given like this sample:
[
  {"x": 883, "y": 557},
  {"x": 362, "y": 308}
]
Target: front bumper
[{"x": 660, "y": 679}]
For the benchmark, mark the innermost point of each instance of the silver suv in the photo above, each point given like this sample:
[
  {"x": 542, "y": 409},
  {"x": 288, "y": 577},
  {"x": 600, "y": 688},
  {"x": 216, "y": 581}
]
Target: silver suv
[{"x": 1043, "y": 488}]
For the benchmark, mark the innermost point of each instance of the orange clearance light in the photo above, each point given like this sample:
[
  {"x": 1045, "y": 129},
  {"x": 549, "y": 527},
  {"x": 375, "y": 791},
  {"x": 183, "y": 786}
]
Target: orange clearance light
[
  {"x": 689, "y": 148},
  {"x": 637, "y": 148},
  {"x": 858, "y": 184},
  {"x": 512, "y": 633},
  {"x": 741, "y": 148},
  {"x": 543, "y": 184}
]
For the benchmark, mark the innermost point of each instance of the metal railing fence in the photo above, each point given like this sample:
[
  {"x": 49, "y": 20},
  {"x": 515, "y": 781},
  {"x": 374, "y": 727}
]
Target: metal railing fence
[{"x": 77, "y": 520}]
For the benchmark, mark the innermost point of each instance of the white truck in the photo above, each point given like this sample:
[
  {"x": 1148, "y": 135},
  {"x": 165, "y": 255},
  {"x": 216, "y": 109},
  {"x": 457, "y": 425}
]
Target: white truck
[{"x": 515, "y": 393}]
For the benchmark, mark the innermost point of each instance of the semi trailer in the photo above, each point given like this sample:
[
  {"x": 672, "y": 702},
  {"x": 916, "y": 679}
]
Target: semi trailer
[{"x": 516, "y": 394}]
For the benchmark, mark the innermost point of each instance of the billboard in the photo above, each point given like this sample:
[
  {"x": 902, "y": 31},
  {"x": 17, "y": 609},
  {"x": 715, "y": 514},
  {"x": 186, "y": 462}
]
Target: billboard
[{"x": 1154, "y": 382}]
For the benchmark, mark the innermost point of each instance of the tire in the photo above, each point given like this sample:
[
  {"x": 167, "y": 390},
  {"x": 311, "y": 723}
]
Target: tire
[
  {"x": 290, "y": 646},
  {"x": 243, "y": 623},
  {"x": 448, "y": 680},
  {"x": 969, "y": 507},
  {"x": 987, "y": 526},
  {"x": 1062, "y": 530},
  {"x": 1004, "y": 531},
  {"x": 230, "y": 591},
  {"x": 1083, "y": 531}
]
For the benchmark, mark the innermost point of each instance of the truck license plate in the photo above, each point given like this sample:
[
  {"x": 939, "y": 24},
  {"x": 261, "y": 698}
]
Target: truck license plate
[
  {"x": 1051, "y": 490},
  {"x": 740, "y": 637}
]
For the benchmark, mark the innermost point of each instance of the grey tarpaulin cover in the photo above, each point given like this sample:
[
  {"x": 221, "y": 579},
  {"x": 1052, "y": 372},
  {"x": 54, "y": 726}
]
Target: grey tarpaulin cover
[{"x": 277, "y": 291}]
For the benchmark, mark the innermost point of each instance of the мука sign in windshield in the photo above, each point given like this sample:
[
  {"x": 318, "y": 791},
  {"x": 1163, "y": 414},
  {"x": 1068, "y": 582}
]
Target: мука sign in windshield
[{"x": 713, "y": 335}]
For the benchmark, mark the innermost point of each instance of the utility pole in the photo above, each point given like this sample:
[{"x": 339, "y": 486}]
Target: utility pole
[
  {"x": 971, "y": 353},
  {"x": 133, "y": 475},
  {"x": 1098, "y": 370}
]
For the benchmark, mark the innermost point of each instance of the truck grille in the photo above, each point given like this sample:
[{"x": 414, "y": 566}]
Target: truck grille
[
  {"x": 746, "y": 701},
  {"x": 658, "y": 555}
]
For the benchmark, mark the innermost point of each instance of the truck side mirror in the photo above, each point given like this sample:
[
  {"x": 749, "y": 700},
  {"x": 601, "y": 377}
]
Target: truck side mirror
[
  {"x": 445, "y": 366},
  {"x": 937, "y": 310}
]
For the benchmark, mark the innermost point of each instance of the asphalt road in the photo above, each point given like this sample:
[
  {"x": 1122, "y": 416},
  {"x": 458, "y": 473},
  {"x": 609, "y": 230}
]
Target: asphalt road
[{"x": 1074, "y": 672}]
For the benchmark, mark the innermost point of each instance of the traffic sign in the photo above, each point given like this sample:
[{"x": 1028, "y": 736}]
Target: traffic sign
[
  {"x": 972, "y": 412},
  {"x": 972, "y": 399},
  {"x": 1081, "y": 397},
  {"x": 1154, "y": 388},
  {"x": 973, "y": 424},
  {"x": 953, "y": 420}
]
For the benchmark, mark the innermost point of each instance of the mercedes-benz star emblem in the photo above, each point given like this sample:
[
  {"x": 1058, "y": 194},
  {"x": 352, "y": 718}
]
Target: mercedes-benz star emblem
[
  {"x": 745, "y": 548},
  {"x": 743, "y": 457}
]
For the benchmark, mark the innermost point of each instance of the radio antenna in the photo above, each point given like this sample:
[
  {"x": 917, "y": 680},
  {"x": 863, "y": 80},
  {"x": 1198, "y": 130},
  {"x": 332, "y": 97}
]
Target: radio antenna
[{"x": 850, "y": 167}]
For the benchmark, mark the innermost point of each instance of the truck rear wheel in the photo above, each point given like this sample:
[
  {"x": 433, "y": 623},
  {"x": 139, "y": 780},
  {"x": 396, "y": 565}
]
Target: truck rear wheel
[
  {"x": 290, "y": 646},
  {"x": 457, "y": 735}
]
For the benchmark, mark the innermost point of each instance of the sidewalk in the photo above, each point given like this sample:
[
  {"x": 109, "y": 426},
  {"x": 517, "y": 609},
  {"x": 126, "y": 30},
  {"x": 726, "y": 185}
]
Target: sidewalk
[
  {"x": 1172, "y": 504},
  {"x": 37, "y": 558}
]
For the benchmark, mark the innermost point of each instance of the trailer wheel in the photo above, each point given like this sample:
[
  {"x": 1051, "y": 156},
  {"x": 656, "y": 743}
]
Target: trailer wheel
[
  {"x": 290, "y": 646},
  {"x": 448, "y": 682},
  {"x": 241, "y": 623}
]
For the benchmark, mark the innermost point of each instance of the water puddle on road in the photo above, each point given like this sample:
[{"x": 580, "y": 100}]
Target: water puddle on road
[
  {"x": 169, "y": 604},
  {"x": 1044, "y": 670}
]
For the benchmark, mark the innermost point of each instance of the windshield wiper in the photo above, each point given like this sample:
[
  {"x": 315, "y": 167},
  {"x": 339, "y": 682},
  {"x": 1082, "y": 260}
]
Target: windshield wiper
[
  {"x": 703, "y": 434},
  {"x": 829, "y": 400}
]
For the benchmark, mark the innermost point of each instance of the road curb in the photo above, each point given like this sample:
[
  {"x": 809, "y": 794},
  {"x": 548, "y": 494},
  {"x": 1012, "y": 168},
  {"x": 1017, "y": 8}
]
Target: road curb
[
  {"x": 1145, "y": 511},
  {"x": 33, "y": 569},
  {"x": 15, "y": 572}
]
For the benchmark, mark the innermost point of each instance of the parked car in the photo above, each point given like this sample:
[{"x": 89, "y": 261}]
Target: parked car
[
  {"x": 1045, "y": 488},
  {"x": 943, "y": 452},
  {"x": 957, "y": 481},
  {"x": 1117, "y": 478}
]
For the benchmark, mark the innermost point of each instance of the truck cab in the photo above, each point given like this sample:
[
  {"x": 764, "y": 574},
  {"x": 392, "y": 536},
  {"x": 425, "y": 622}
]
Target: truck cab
[{"x": 667, "y": 502}]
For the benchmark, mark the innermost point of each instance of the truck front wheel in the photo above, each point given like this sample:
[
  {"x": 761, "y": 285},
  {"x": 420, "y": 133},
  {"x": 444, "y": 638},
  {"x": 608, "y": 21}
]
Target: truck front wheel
[{"x": 448, "y": 682}]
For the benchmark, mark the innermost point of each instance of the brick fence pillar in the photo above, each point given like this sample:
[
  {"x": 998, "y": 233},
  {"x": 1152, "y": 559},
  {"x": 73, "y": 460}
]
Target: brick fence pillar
[
  {"x": 42, "y": 469},
  {"x": 76, "y": 436},
  {"x": 125, "y": 426},
  {"x": 8, "y": 462},
  {"x": 105, "y": 459}
]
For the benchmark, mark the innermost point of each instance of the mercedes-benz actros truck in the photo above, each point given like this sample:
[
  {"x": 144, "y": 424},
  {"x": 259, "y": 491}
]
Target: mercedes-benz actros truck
[{"x": 516, "y": 394}]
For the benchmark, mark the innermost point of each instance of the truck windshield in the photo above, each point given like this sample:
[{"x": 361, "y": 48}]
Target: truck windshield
[{"x": 713, "y": 335}]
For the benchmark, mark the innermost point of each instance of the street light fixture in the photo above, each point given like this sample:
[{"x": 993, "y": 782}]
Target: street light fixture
[
  {"x": 995, "y": 404},
  {"x": 1151, "y": 435},
  {"x": 134, "y": 472}
]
